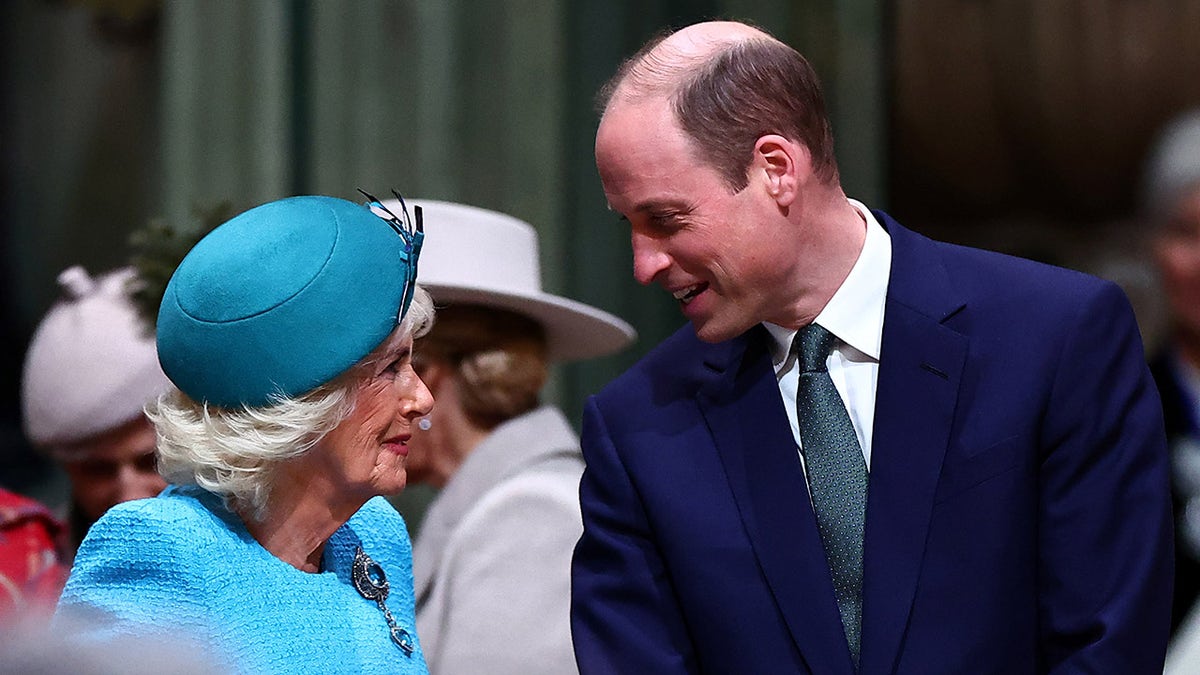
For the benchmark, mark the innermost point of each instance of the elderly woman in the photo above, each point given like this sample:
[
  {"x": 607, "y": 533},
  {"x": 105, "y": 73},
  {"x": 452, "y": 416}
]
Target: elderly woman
[
  {"x": 287, "y": 332},
  {"x": 493, "y": 556}
]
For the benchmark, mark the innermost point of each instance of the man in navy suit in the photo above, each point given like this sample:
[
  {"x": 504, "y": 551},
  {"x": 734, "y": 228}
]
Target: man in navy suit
[{"x": 986, "y": 491}]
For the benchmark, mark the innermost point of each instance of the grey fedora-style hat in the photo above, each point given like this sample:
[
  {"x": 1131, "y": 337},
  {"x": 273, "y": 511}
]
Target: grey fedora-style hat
[{"x": 481, "y": 257}]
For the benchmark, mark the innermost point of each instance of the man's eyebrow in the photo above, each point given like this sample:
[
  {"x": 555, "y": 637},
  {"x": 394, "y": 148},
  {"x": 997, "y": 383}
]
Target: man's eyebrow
[
  {"x": 654, "y": 205},
  {"x": 663, "y": 204}
]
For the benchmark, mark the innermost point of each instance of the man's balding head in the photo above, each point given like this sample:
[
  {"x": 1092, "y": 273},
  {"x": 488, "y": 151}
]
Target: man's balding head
[
  {"x": 666, "y": 59},
  {"x": 729, "y": 84}
]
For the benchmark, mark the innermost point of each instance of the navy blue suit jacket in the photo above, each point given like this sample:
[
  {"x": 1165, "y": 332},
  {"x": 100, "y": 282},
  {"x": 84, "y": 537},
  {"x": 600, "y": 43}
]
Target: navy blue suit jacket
[{"x": 1018, "y": 512}]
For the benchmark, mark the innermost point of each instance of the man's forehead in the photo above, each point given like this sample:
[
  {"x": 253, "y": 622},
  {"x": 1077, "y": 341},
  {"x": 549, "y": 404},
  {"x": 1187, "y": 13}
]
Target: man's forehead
[
  {"x": 640, "y": 113},
  {"x": 636, "y": 137}
]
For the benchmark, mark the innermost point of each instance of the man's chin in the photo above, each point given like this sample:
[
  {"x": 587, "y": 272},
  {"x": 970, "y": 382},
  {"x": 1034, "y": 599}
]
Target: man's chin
[{"x": 712, "y": 331}]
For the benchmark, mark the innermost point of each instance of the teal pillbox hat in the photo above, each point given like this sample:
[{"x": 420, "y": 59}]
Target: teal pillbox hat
[{"x": 282, "y": 299}]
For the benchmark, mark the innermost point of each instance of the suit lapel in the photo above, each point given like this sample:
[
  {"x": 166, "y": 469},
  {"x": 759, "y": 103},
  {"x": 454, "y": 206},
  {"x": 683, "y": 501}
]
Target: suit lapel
[
  {"x": 744, "y": 412},
  {"x": 920, "y": 368}
]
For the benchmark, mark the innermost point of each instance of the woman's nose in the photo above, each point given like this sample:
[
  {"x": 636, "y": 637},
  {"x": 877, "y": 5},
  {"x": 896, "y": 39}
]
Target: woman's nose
[{"x": 420, "y": 400}]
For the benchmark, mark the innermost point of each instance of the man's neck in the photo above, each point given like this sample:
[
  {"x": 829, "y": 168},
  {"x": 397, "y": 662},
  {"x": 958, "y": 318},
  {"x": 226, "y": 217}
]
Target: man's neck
[{"x": 846, "y": 233}]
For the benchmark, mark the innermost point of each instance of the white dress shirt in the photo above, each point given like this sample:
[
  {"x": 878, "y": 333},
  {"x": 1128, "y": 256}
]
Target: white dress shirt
[{"x": 855, "y": 317}]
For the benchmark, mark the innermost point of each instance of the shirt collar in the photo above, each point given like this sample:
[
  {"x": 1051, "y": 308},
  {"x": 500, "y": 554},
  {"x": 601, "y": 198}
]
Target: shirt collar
[{"x": 855, "y": 312}]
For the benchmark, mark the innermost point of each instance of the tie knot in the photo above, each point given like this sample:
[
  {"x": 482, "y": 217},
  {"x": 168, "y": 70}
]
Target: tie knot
[{"x": 812, "y": 345}]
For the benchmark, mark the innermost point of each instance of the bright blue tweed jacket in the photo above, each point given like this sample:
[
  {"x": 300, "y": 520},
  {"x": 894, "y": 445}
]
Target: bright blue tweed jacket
[{"x": 180, "y": 565}]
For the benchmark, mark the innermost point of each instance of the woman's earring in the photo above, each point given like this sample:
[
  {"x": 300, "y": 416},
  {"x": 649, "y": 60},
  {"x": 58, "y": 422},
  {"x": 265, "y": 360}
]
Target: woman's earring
[{"x": 424, "y": 424}]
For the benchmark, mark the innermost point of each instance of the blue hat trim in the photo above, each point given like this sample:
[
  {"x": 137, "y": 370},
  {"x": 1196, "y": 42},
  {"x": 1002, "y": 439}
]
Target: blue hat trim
[{"x": 413, "y": 234}]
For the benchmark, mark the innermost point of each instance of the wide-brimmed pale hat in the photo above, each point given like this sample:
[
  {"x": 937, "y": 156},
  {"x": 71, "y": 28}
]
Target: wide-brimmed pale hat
[
  {"x": 481, "y": 257},
  {"x": 91, "y": 365}
]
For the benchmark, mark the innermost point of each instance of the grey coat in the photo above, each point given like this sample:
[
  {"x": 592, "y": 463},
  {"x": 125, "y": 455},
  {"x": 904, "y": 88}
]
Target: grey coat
[{"x": 492, "y": 562}]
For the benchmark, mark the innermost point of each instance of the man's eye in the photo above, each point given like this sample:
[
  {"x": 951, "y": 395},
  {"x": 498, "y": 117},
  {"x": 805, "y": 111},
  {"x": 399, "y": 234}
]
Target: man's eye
[{"x": 665, "y": 220}]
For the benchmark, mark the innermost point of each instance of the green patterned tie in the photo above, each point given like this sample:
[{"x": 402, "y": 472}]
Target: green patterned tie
[{"x": 837, "y": 475}]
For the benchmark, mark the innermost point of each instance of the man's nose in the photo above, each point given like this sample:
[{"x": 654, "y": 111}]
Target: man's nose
[{"x": 649, "y": 258}]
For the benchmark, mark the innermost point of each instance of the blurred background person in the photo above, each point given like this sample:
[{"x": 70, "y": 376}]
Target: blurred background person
[
  {"x": 287, "y": 334},
  {"x": 90, "y": 369},
  {"x": 1172, "y": 202},
  {"x": 492, "y": 560}
]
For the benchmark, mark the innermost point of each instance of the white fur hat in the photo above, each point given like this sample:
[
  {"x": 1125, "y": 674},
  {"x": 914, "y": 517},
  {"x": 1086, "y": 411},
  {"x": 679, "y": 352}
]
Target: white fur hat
[
  {"x": 483, "y": 257},
  {"x": 1174, "y": 164},
  {"x": 91, "y": 365}
]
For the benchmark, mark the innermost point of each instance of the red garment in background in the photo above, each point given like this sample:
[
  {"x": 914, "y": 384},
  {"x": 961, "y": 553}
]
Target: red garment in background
[{"x": 31, "y": 569}]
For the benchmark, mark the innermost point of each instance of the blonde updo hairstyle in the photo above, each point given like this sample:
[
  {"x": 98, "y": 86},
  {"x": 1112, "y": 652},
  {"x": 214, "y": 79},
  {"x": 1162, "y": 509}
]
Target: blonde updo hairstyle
[
  {"x": 498, "y": 359},
  {"x": 231, "y": 451}
]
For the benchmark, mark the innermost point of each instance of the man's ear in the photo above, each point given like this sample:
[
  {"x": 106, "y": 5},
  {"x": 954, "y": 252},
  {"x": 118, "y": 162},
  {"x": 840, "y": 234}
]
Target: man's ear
[{"x": 782, "y": 165}]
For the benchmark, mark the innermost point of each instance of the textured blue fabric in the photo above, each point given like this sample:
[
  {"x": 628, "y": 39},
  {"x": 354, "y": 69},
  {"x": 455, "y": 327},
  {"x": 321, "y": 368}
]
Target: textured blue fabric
[
  {"x": 182, "y": 567},
  {"x": 281, "y": 299}
]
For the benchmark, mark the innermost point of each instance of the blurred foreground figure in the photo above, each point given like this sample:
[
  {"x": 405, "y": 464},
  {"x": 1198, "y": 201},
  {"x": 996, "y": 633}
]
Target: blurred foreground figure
[
  {"x": 287, "y": 333},
  {"x": 90, "y": 369},
  {"x": 869, "y": 452},
  {"x": 37, "y": 650},
  {"x": 493, "y": 558},
  {"x": 1172, "y": 201}
]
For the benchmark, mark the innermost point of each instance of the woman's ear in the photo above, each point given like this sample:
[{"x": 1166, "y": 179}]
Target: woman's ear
[{"x": 783, "y": 165}]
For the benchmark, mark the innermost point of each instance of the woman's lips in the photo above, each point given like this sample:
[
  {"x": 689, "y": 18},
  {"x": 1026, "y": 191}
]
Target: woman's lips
[{"x": 398, "y": 445}]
